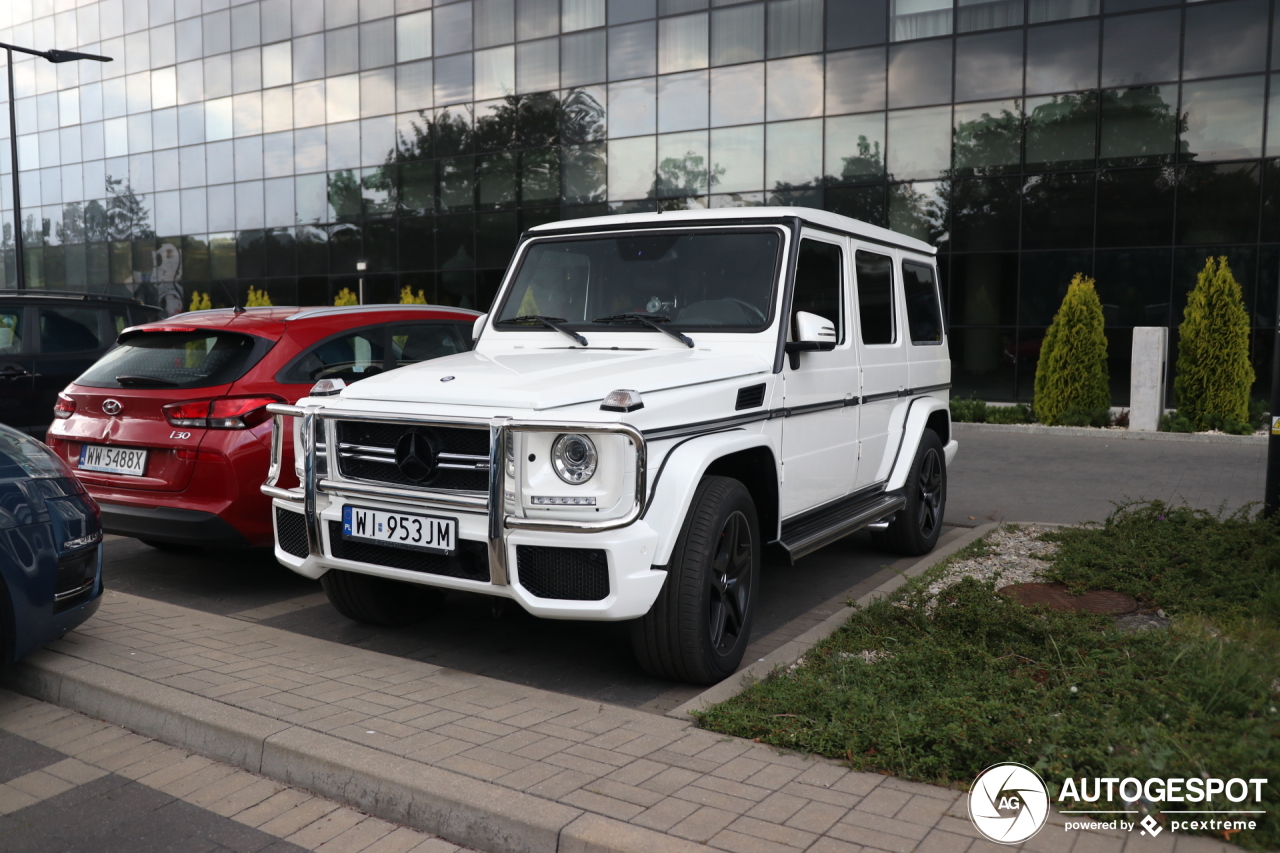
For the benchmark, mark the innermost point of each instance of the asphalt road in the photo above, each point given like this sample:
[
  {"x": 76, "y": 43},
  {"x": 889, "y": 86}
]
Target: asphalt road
[{"x": 996, "y": 476}]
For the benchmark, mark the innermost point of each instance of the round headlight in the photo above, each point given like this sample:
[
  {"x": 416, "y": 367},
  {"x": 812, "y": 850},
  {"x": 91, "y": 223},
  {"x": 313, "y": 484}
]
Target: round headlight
[{"x": 574, "y": 458}]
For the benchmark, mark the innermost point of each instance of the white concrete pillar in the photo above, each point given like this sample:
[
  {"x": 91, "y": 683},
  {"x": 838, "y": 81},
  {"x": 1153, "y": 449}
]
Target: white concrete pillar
[{"x": 1146, "y": 378}]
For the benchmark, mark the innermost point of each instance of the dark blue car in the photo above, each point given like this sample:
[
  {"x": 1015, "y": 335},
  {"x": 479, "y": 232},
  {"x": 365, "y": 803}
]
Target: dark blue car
[{"x": 50, "y": 547}]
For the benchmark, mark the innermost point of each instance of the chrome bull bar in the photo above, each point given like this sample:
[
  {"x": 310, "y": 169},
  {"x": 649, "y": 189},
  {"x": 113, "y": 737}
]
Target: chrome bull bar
[{"x": 315, "y": 418}]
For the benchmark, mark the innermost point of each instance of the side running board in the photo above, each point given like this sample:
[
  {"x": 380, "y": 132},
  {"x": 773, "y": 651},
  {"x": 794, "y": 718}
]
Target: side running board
[{"x": 807, "y": 533}]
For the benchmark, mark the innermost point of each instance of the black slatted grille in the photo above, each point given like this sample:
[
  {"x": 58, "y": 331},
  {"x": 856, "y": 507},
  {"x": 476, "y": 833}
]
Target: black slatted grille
[
  {"x": 465, "y": 440},
  {"x": 75, "y": 579},
  {"x": 750, "y": 397},
  {"x": 568, "y": 574},
  {"x": 291, "y": 531},
  {"x": 470, "y": 562}
]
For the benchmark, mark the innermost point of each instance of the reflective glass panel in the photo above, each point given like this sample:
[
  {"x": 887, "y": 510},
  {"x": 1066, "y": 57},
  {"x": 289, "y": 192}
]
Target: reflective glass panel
[
  {"x": 795, "y": 88},
  {"x": 1138, "y": 124},
  {"x": 1062, "y": 57},
  {"x": 308, "y": 104},
  {"x": 631, "y": 167},
  {"x": 452, "y": 28},
  {"x": 1135, "y": 207},
  {"x": 453, "y": 79},
  {"x": 342, "y": 51},
  {"x": 984, "y": 214},
  {"x": 737, "y": 34},
  {"x": 988, "y": 137},
  {"x": 495, "y": 71},
  {"x": 974, "y": 15},
  {"x": 793, "y": 154},
  {"x": 538, "y": 66},
  {"x": 413, "y": 36},
  {"x": 1218, "y": 203},
  {"x": 682, "y": 165},
  {"x": 682, "y": 43},
  {"x": 737, "y": 158},
  {"x": 989, "y": 66},
  {"x": 1041, "y": 11},
  {"x": 537, "y": 19},
  {"x": 582, "y": 14},
  {"x": 737, "y": 94},
  {"x": 1229, "y": 38},
  {"x": 631, "y": 51},
  {"x": 919, "y": 143},
  {"x": 1057, "y": 210},
  {"x": 920, "y": 74},
  {"x": 582, "y": 58},
  {"x": 682, "y": 101},
  {"x": 626, "y": 11},
  {"x": 1140, "y": 48},
  {"x": 855, "y": 81},
  {"x": 1223, "y": 119},
  {"x": 855, "y": 148},
  {"x": 414, "y": 86},
  {"x": 583, "y": 173},
  {"x": 917, "y": 19},
  {"x": 854, "y": 23},
  {"x": 632, "y": 108},
  {"x": 1061, "y": 130},
  {"x": 495, "y": 22},
  {"x": 795, "y": 26},
  {"x": 919, "y": 209}
]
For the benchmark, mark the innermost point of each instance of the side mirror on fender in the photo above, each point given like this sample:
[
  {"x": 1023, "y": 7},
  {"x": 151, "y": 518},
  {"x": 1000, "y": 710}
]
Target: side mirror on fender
[
  {"x": 477, "y": 326},
  {"x": 813, "y": 334}
]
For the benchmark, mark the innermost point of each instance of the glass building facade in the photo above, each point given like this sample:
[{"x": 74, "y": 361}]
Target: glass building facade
[{"x": 277, "y": 144}]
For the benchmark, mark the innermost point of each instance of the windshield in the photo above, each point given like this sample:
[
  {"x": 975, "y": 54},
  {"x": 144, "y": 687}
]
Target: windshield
[
  {"x": 196, "y": 359},
  {"x": 702, "y": 280}
]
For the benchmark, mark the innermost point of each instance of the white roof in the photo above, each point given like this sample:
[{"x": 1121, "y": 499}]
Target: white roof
[{"x": 817, "y": 217}]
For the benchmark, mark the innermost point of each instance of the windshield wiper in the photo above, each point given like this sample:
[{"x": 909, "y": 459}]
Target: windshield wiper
[
  {"x": 129, "y": 379},
  {"x": 549, "y": 322},
  {"x": 650, "y": 320}
]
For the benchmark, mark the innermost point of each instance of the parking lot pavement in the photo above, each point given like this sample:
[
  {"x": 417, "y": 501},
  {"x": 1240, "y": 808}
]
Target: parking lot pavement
[
  {"x": 1071, "y": 479},
  {"x": 588, "y": 659},
  {"x": 77, "y": 785}
]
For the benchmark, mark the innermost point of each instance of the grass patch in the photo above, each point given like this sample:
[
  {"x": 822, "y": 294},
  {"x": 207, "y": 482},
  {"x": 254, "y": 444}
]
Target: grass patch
[{"x": 974, "y": 678}]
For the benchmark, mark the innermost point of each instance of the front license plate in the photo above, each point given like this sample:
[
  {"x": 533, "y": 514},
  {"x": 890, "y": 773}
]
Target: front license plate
[
  {"x": 113, "y": 460},
  {"x": 401, "y": 529}
]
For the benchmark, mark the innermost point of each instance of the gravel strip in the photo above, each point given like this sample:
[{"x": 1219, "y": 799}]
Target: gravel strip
[{"x": 1008, "y": 560}]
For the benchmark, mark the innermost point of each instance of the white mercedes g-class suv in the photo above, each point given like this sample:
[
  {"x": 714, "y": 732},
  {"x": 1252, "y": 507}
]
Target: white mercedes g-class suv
[{"x": 651, "y": 401}]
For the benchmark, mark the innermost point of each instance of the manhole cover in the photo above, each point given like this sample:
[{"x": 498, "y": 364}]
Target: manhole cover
[{"x": 1056, "y": 597}]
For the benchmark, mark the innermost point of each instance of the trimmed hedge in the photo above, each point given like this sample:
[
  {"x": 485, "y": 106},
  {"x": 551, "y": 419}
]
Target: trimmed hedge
[{"x": 1071, "y": 375}]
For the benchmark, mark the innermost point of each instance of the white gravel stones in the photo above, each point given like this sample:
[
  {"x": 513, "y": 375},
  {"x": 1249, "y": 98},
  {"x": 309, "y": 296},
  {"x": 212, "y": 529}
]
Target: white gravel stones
[{"x": 1008, "y": 559}]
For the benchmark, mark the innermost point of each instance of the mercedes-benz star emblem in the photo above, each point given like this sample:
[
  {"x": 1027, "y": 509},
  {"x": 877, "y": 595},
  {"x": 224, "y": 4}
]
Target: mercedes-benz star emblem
[
  {"x": 447, "y": 378},
  {"x": 111, "y": 407},
  {"x": 416, "y": 453}
]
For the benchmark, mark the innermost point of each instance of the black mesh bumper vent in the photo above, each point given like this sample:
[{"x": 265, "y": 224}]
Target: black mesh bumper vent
[
  {"x": 291, "y": 531},
  {"x": 469, "y": 562},
  {"x": 568, "y": 574}
]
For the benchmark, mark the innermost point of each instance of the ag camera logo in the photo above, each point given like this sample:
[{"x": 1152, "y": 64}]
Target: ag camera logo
[{"x": 1008, "y": 803}]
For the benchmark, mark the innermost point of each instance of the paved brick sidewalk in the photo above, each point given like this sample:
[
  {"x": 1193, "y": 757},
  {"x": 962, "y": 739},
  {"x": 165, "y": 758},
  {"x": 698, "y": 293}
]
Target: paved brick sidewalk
[
  {"x": 488, "y": 763},
  {"x": 71, "y": 783}
]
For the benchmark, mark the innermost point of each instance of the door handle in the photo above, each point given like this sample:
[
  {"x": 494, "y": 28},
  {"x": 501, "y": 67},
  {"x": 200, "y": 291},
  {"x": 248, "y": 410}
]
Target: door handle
[{"x": 12, "y": 371}]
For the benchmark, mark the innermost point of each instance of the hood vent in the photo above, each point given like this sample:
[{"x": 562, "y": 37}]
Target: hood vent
[{"x": 750, "y": 397}]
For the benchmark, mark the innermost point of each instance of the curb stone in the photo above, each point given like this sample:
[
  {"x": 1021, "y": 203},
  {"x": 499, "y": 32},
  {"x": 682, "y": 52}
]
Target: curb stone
[
  {"x": 455, "y": 807},
  {"x": 790, "y": 652},
  {"x": 1098, "y": 432}
]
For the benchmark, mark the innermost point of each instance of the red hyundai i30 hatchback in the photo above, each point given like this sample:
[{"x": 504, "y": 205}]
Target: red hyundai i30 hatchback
[{"x": 169, "y": 430}]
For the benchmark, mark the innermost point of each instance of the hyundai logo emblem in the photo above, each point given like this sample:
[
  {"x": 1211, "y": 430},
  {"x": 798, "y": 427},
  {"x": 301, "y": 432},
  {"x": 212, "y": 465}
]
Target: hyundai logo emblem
[
  {"x": 416, "y": 453},
  {"x": 447, "y": 378},
  {"x": 111, "y": 407}
]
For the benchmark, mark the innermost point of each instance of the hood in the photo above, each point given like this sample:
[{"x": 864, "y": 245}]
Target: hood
[{"x": 549, "y": 379}]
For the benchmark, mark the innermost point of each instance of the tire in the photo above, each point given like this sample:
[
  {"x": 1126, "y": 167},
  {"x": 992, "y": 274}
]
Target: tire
[
  {"x": 700, "y": 624},
  {"x": 914, "y": 531},
  {"x": 379, "y": 601}
]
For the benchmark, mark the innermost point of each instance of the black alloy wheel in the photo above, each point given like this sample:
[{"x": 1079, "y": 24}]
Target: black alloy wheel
[
  {"x": 699, "y": 627},
  {"x": 730, "y": 583},
  {"x": 915, "y": 529}
]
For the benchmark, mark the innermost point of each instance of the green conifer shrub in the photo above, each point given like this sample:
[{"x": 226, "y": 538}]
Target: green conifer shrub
[
  {"x": 1071, "y": 375},
  {"x": 1214, "y": 373}
]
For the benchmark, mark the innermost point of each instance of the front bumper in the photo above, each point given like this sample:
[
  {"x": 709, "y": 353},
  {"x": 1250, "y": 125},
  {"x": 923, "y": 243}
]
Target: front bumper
[{"x": 484, "y": 523}]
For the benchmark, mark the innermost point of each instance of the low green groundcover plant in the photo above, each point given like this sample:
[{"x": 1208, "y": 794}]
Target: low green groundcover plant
[{"x": 938, "y": 690}]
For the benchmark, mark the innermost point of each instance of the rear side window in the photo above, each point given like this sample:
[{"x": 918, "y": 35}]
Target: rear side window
[
  {"x": 69, "y": 329},
  {"x": 924, "y": 317},
  {"x": 349, "y": 357},
  {"x": 10, "y": 331},
  {"x": 415, "y": 342},
  {"x": 875, "y": 298},
  {"x": 176, "y": 360}
]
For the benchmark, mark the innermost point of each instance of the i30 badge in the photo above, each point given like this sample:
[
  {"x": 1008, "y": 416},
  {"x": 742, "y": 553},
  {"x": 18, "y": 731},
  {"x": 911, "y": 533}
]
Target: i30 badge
[{"x": 111, "y": 407}]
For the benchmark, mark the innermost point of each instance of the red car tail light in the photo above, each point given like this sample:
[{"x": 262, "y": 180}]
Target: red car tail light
[
  {"x": 221, "y": 413},
  {"x": 65, "y": 407}
]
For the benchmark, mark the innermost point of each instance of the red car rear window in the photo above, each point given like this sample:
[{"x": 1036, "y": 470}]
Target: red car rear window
[{"x": 164, "y": 359}]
